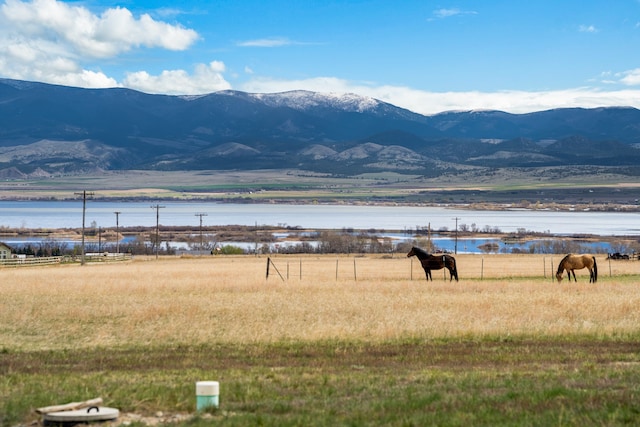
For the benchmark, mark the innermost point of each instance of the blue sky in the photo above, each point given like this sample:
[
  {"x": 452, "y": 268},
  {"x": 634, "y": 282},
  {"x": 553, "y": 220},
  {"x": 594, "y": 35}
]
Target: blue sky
[{"x": 427, "y": 56}]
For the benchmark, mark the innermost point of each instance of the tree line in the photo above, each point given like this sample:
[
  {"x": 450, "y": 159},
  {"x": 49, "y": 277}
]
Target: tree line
[{"x": 321, "y": 242}]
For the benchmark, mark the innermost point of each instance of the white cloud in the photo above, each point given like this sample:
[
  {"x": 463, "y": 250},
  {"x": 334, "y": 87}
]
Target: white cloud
[
  {"x": 447, "y": 13},
  {"x": 510, "y": 101},
  {"x": 269, "y": 42},
  {"x": 83, "y": 78},
  {"x": 45, "y": 40},
  {"x": 587, "y": 29},
  {"x": 424, "y": 102},
  {"x": 206, "y": 78},
  {"x": 113, "y": 32},
  {"x": 631, "y": 77},
  {"x": 49, "y": 41},
  {"x": 41, "y": 62}
]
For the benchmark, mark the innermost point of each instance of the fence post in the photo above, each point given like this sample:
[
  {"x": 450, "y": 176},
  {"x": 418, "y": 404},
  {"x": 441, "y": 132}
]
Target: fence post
[{"x": 274, "y": 266}]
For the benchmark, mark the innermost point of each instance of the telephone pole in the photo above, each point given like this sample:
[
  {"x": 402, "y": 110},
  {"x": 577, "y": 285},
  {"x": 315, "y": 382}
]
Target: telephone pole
[
  {"x": 84, "y": 195},
  {"x": 455, "y": 250},
  {"x": 201, "y": 215},
  {"x": 117, "y": 232},
  {"x": 157, "y": 243}
]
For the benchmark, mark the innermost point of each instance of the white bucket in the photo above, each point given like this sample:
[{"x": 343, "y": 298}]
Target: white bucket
[{"x": 207, "y": 394}]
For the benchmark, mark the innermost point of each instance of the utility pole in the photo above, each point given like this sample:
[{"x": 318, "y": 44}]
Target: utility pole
[
  {"x": 84, "y": 195},
  {"x": 117, "y": 232},
  {"x": 157, "y": 208},
  {"x": 201, "y": 215},
  {"x": 455, "y": 250}
]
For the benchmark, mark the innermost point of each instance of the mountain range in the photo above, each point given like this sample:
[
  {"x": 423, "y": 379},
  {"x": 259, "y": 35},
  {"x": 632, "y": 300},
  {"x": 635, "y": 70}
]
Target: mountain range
[{"x": 48, "y": 129}]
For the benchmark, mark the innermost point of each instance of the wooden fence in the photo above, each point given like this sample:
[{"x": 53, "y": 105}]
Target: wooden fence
[
  {"x": 105, "y": 257},
  {"x": 30, "y": 262},
  {"x": 53, "y": 260}
]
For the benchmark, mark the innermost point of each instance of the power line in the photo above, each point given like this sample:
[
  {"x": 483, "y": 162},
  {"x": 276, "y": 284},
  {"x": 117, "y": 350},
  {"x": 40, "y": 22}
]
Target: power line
[
  {"x": 201, "y": 215},
  {"x": 117, "y": 232},
  {"x": 84, "y": 195},
  {"x": 455, "y": 248},
  {"x": 157, "y": 208}
]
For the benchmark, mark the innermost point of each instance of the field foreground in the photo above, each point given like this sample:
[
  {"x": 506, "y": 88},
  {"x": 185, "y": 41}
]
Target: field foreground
[{"x": 325, "y": 341}]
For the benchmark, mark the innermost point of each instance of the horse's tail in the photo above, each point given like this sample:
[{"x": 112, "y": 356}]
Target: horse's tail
[
  {"x": 455, "y": 268},
  {"x": 595, "y": 270}
]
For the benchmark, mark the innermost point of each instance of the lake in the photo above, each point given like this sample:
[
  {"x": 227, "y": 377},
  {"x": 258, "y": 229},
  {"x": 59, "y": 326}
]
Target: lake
[{"x": 68, "y": 214}]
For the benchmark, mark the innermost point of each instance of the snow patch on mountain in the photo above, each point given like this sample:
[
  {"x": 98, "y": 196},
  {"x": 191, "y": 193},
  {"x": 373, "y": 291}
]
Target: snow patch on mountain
[{"x": 302, "y": 100}]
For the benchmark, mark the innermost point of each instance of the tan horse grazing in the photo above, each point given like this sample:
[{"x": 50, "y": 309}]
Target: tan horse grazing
[{"x": 576, "y": 262}]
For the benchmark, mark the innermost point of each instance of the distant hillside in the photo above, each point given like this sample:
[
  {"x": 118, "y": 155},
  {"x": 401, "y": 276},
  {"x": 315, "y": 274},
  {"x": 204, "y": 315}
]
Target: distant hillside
[{"x": 48, "y": 129}]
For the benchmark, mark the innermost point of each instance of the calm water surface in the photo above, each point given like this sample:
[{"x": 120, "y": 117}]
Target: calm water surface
[{"x": 68, "y": 214}]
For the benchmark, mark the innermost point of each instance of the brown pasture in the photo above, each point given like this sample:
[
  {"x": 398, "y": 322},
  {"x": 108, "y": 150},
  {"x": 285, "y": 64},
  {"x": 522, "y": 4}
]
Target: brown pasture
[{"x": 192, "y": 300}]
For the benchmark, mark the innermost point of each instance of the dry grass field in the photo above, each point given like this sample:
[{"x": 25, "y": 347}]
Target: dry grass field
[
  {"x": 324, "y": 340},
  {"x": 307, "y": 298}
]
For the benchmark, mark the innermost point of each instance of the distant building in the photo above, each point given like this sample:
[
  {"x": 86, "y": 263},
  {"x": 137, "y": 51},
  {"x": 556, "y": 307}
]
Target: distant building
[{"x": 5, "y": 251}]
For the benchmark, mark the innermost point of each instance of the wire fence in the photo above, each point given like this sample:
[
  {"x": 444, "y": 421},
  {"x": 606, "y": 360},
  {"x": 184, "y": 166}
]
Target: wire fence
[{"x": 469, "y": 266}]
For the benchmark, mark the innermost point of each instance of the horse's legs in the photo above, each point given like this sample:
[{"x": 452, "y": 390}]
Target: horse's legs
[{"x": 574, "y": 276}]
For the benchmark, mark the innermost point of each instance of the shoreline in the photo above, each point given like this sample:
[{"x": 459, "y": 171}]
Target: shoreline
[{"x": 476, "y": 206}]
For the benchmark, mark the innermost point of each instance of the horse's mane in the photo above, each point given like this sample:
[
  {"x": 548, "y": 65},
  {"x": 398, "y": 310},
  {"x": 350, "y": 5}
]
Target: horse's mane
[
  {"x": 421, "y": 251},
  {"x": 562, "y": 261}
]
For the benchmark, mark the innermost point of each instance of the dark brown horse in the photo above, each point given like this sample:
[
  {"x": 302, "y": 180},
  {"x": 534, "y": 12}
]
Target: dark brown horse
[
  {"x": 435, "y": 262},
  {"x": 576, "y": 262}
]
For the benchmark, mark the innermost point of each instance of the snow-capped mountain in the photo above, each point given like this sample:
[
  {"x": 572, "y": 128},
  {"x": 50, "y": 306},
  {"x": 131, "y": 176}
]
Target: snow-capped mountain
[{"x": 52, "y": 129}]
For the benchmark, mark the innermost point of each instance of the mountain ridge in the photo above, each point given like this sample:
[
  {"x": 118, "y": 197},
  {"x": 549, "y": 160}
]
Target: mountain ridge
[{"x": 57, "y": 129}]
